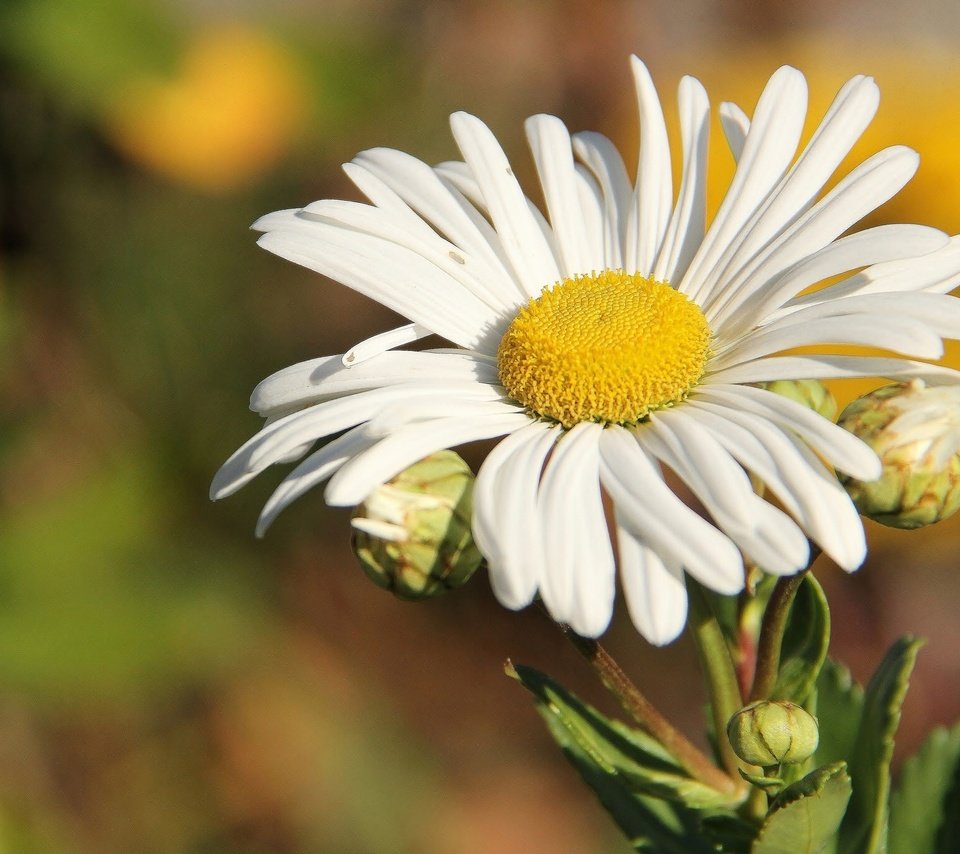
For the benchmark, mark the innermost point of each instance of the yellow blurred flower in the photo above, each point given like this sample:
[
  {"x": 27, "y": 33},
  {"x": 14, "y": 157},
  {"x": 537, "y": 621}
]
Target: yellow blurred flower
[{"x": 227, "y": 118}]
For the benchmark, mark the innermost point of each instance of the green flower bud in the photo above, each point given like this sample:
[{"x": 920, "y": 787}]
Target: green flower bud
[
  {"x": 811, "y": 393},
  {"x": 915, "y": 431},
  {"x": 412, "y": 535},
  {"x": 773, "y": 732}
]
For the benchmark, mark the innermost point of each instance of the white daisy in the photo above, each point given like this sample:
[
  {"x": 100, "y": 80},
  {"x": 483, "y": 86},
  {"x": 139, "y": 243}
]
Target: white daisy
[{"x": 612, "y": 338}]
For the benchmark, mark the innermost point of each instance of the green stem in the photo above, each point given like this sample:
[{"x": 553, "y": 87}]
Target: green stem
[
  {"x": 725, "y": 698},
  {"x": 693, "y": 760},
  {"x": 771, "y": 634}
]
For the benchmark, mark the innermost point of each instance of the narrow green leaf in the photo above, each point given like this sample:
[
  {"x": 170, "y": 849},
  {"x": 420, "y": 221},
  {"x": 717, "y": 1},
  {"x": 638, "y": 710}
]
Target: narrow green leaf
[
  {"x": 599, "y": 748},
  {"x": 650, "y": 824},
  {"x": 637, "y": 758},
  {"x": 838, "y": 705},
  {"x": 924, "y": 807},
  {"x": 864, "y": 828},
  {"x": 805, "y": 643},
  {"x": 805, "y": 816}
]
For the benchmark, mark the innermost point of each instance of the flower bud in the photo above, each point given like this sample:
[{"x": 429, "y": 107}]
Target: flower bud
[
  {"x": 811, "y": 393},
  {"x": 773, "y": 732},
  {"x": 412, "y": 534},
  {"x": 915, "y": 431}
]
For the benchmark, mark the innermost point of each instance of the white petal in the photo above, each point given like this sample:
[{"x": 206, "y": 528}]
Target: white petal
[
  {"x": 578, "y": 584},
  {"x": 650, "y": 510},
  {"x": 392, "y": 275},
  {"x": 843, "y": 124},
  {"x": 769, "y": 147},
  {"x": 443, "y": 207},
  {"x": 275, "y": 442},
  {"x": 939, "y": 312},
  {"x": 601, "y": 157},
  {"x": 736, "y": 126},
  {"x": 530, "y": 253},
  {"x": 315, "y": 469},
  {"x": 462, "y": 180},
  {"x": 320, "y": 379},
  {"x": 833, "y": 367},
  {"x": 377, "y": 344},
  {"x": 655, "y": 593},
  {"x": 901, "y": 335},
  {"x": 859, "y": 193},
  {"x": 553, "y": 155},
  {"x": 810, "y": 492},
  {"x": 487, "y": 284},
  {"x": 420, "y": 406},
  {"x": 653, "y": 196},
  {"x": 358, "y": 478},
  {"x": 505, "y": 518},
  {"x": 685, "y": 231},
  {"x": 592, "y": 224},
  {"x": 770, "y": 537},
  {"x": 863, "y": 248},
  {"x": 936, "y": 272},
  {"x": 384, "y": 197},
  {"x": 841, "y": 449}
]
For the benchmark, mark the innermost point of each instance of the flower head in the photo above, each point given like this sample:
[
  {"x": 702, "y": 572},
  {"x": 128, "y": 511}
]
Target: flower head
[{"x": 611, "y": 337}]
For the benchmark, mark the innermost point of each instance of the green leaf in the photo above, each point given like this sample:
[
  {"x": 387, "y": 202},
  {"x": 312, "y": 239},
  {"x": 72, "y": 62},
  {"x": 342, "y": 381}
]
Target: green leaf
[
  {"x": 923, "y": 809},
  {"x": 805, "y": 643},
  {"x": 838, "y": 705},
  {"x": 864, "y": 828},
  {"x": 637, "y": 758},
  {"x": 643, "y": 788},
  {"x": 805, "y": 816}
]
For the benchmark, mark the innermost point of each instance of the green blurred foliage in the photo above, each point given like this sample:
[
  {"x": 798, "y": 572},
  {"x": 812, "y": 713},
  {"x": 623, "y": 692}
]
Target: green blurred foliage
[{"x": 79, "y": 52}]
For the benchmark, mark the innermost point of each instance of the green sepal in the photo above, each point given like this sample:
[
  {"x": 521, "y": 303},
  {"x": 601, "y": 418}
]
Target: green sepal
[
  {"x": 864, "y": 828},
  {"x": 924, "y": 814},
  {"x": 805, "y": 643},
  {"x": 805, "y": 816},
  {"x": 630, "y": 755},
  {"x": 761, "y": 781}
]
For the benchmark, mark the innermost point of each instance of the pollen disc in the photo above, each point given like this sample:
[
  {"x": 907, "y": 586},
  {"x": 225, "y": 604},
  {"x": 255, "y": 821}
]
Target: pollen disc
[{"x": 608, "y": 347}]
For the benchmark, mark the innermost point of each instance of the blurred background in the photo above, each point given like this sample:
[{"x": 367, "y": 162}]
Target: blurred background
[{"x": 167, "y": 682}]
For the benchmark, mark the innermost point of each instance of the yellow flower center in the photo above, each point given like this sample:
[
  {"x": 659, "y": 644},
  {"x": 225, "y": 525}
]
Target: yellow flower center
[{"x": 608, "y": 347}]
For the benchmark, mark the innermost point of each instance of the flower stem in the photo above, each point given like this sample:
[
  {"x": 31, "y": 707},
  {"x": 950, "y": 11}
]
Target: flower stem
[
  {"x": 693, "y": 760},
  {"x": 725, "y": 697},
  {"x": 771, "y": 634}
]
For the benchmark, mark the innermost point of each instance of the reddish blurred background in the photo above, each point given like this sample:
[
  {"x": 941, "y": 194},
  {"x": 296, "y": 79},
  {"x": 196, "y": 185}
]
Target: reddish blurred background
[{"x": 167, "y": 683}]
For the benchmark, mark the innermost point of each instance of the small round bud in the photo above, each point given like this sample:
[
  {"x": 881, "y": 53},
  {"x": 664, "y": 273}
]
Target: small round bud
[
  {"x": 811, "y": 393},
  {"x": 773, "y": 732},
  {"x": 915, "y": 431},
  {"x": 412, "y": 535}
]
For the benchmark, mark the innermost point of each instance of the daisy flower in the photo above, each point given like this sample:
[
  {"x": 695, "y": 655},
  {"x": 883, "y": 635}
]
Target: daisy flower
[{"x": 611, "y": 338}]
